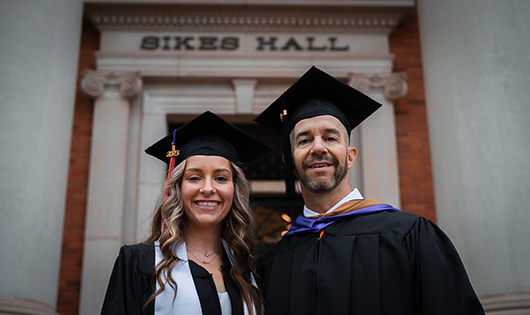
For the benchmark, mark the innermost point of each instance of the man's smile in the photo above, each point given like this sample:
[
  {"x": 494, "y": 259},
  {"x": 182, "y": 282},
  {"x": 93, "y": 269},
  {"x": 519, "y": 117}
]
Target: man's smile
[{"x": 320, "y": 165}]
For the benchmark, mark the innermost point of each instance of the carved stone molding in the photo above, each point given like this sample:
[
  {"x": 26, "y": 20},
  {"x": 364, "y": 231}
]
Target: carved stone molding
[
  {"x": 24, "y": 307},
  {"x": 94, "y": 82},
  {"x": 244, "y": 19},
  {"x": 394, "y": 85},
  {"x": 508, "y": 303}
]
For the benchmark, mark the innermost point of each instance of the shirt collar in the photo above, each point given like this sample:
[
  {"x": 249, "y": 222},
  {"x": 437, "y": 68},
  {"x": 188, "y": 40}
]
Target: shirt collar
[{"x": 353, "y": 195}]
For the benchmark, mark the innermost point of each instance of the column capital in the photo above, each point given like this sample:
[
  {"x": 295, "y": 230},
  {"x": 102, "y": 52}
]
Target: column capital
[
  {"x": 394, "y": 85},
  {"x": 94, "y": 82}
]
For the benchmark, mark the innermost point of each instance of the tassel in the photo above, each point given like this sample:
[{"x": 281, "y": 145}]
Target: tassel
[
  {"x": 173, "y": 158},
  {"x": 289, "y": 176},
  {"x": 171, "y": 168}
]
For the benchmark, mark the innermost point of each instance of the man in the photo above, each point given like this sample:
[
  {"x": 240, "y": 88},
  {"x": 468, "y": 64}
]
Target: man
[{"x": 347, "y": 254}]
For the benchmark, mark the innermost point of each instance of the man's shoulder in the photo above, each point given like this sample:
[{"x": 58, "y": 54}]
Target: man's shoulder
[
  {"x": 383, "y": 222},
  {"x": 398, "y": 215}
]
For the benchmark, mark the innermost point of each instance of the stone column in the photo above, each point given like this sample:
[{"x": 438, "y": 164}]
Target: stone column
[
  {"x": 38, "y": 64},
  {"x": 152, "y": 172},
  {"x": 476, "y": 69},
  {"x": 106, "y": 189},
  {"x": 377, "y": 151}
]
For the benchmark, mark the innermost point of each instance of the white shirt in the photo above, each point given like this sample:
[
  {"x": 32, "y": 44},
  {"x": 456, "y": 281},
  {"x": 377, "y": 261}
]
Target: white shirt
[
  {"x": 226, "y": 304},
  {"x": 353, "y": 195}
]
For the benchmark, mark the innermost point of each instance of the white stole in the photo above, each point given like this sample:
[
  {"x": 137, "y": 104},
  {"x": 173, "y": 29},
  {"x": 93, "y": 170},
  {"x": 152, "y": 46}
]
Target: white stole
[{"x": 187, "y": 300}]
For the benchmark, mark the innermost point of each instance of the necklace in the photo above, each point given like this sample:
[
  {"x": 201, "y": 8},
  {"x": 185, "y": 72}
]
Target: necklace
[
  {"x": 204, "y": 261},
  {"x": 207, "y": 255}
]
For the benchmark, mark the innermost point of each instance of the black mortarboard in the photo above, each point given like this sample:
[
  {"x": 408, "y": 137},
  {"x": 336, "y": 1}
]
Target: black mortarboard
[
  {"x": 315, "y": 93},
  {"x": 208, "y": 134}
]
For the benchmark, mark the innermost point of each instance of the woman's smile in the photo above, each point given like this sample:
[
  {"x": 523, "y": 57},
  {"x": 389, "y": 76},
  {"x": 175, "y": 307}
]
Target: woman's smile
[{"x": 207, "y": 205}]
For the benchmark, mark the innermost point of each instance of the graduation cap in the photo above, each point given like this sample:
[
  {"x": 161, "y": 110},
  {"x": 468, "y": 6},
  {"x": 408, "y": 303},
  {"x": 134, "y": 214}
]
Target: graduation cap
[
  {"x": 207, "y": 134},
  {"x": 315, "y": 93}
]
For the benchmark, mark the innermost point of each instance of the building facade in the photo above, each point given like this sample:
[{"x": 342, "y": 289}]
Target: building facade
[{"x": 442, "y": 146}]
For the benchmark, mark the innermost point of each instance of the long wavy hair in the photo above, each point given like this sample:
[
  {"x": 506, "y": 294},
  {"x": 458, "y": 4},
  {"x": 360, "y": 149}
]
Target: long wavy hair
[{"x": 237, "y": 232}]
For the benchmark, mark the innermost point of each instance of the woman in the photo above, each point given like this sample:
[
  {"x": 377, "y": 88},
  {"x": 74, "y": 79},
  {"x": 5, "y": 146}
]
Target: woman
[{"x": 199, "y": 256}]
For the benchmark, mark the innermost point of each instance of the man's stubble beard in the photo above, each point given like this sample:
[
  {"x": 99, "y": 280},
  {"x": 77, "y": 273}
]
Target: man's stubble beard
[{"x": 321, "y": 185}]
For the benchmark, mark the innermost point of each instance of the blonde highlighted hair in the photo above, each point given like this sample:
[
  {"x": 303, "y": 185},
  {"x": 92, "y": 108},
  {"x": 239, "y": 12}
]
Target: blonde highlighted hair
[{"x": 237, "y": 232}]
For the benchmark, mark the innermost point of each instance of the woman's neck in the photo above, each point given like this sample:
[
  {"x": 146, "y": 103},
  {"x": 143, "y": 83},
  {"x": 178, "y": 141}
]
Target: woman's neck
[{"x": 207, "y": 240}]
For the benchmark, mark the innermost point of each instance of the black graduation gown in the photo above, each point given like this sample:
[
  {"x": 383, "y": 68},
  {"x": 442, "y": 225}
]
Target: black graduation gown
[
  {"x": 376, "y": 264},
  {"x": 130, "y": 284}
]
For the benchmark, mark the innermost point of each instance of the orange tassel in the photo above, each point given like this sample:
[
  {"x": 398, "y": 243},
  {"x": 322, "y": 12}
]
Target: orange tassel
[
  {"x": 173, "y": 154},
  {"x": 171, "y": 167}
]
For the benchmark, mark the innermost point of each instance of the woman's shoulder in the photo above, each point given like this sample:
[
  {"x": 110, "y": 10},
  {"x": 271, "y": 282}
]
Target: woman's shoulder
[
  {"x": 135, "y": 251},
  {"x": 141, "y": 255}
]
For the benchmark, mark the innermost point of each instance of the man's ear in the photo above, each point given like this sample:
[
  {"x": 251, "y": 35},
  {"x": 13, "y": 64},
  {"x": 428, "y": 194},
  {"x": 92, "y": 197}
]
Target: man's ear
[
  {"x": 352, "y": 154},
  {"x": 283, "y": 159}
]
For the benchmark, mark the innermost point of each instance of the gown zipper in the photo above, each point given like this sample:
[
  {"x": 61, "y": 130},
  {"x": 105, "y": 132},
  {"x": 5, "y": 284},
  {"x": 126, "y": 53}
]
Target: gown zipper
[{"x": 316, "y": 267}]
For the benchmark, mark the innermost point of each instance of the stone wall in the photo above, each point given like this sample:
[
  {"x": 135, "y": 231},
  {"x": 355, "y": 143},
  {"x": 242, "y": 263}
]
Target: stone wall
[{"x": 76, "y": 200}]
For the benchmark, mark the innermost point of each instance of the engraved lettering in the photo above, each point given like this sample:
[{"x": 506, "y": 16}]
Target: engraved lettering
[
  {"x": 292, "y": 43},
  {"x": 310, "y": 46},
  {"x": 332, "y": 47},
  {"x": 263, "y": 42},
  {"x": 166, "y": 43},
  {"x": 184, "y": 41},
  {"x": 230, "y": 43},
  {"x": 208, "y": 43},
  {"x": 150, "y": 43}
]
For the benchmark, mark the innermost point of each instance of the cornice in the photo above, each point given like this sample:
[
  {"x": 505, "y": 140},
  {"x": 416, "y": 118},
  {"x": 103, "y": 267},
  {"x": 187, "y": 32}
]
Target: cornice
[{"x": 246, "y": 19}]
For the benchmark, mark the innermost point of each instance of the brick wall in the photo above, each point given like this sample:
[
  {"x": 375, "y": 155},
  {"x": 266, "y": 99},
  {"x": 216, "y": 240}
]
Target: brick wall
[
  {"x": 414, "y": 157},
  {"x": 74, "y": 224}
]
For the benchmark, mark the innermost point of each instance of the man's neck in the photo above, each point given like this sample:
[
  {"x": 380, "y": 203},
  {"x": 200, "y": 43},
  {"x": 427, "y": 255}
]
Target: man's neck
[{"x": 322, "y": 202}]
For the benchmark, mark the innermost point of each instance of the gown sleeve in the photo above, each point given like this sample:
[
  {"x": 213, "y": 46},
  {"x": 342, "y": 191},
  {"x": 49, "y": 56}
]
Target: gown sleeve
[
  {"x": 130, "y": 282},
  {"x": 441, "y": 283}
]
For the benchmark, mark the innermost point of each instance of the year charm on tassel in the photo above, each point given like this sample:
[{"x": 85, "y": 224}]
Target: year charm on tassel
[
  {"x": 283, "y": 114},
  {"x": 173, "y": 152}
]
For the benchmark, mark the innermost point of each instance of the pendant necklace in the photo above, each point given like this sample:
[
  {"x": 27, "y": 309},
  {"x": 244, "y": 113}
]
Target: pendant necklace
[
  {"x": 204, "y": 261},
  {"x": 207, "y": 255}
]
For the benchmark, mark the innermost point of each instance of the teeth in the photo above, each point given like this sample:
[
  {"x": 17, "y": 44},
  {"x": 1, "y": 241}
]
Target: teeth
[
  {"x": 208, "y": 204},
  {"x": 319, "y": 165}
]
